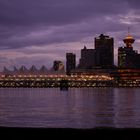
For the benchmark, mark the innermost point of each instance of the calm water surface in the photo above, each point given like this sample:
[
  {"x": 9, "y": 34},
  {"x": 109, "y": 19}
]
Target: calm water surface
[{"x": 75, "y": 108}]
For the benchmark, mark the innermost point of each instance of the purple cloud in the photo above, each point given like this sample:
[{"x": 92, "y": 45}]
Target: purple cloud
[{"x": 59, "y": 26}]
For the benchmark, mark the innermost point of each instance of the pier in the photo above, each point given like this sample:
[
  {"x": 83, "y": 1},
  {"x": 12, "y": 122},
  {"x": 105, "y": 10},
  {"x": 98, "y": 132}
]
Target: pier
[{"x": 64, "y": 81}]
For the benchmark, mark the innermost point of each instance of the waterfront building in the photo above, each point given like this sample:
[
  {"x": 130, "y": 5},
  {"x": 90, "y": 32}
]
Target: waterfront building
[
  {"x": 15, "y": 69},
  {"x": 87, "y": 60},
  {"x": 43, "y": 70},
  {"x": 70, "y": 62},
  {"x": 33, "y": 70},
  {"x": 58, "y": 65},
  {"x": 6, "y": 71},
  {"x": 127, "y": 57},
  {"x": 104, "y": 47},
  {"x": 23, "y": 70},
  {"x": 101, "y": 57}
]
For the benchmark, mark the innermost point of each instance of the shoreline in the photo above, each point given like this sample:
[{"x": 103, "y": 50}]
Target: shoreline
[{"x": 72, "y": 87}]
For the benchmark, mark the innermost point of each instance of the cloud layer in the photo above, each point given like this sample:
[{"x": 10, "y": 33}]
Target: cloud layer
[{"x": 40, "y": 31}]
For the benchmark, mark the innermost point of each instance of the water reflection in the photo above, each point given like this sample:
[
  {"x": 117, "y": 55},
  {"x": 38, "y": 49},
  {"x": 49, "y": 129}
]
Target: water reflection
[
  {"x": 75, "y": 108},
  {"x": 104, "y": 107},
  {"x": 125, "y": 108}
]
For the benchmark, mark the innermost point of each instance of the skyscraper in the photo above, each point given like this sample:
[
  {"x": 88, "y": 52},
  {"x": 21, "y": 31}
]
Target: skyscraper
[
  {"x": 87, "y": 60},
  {"x": 70, "y": 62},
  {"x": 127, "y": 57},
  {"x": 104, "y": 47}
]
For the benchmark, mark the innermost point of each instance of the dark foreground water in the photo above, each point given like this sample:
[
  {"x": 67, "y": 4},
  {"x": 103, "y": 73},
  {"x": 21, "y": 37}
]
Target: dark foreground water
[{"x": 75, "y": 108}]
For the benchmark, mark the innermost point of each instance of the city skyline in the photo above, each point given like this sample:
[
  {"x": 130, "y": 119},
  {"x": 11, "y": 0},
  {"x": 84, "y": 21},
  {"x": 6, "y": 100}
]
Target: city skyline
[
  {"x": 39, "y": 32},
  {"x": 88, "y": 57}
]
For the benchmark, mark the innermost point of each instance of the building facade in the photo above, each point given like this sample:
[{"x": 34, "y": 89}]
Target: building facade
[
  {"x": 127, "y": 57},
  {"x": 87, "y": 60},
  {"x": 70, "y": 62},
  {"x": 104, "y": 47},
  {"x": 100, "y": 57}
]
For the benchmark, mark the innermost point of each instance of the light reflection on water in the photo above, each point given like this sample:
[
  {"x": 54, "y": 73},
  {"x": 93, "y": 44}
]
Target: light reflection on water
[{"x": 75, "y": 108}]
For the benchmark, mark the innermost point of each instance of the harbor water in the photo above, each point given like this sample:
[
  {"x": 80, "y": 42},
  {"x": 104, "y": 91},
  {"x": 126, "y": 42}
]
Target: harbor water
[{"x": 73, "y": 108}]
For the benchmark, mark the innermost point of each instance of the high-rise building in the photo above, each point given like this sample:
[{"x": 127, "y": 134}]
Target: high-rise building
[
  {"x": 58, "y": 65},
  {"x": 104, "y": 47},
  {"x": 127, "y": 57},
  {"x": 70, "y": 62},
  {"x": 87, "y": 60}
]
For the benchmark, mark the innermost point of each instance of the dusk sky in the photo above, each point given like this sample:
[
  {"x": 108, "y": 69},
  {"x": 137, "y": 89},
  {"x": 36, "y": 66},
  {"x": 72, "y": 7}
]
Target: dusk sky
[{"x": 41, "y": 31}]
